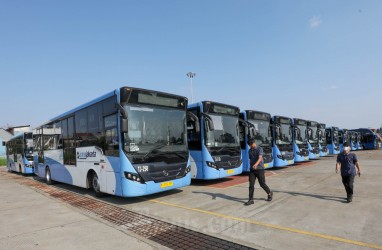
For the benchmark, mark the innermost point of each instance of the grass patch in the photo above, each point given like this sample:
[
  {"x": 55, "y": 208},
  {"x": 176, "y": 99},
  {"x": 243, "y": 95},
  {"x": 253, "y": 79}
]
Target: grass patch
[{"x": 3, "y": 161}]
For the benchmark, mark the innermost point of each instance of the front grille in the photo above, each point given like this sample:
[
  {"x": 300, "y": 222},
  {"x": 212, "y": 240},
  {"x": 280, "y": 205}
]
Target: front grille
[
  {"x": 228, "y": 162},
  {"x": 159, "y": 172}
]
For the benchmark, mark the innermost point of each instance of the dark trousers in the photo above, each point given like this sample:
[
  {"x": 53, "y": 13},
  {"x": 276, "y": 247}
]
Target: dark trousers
[
  {"x": 259, "y": 174},
  {"x": 348, "y": 182}
]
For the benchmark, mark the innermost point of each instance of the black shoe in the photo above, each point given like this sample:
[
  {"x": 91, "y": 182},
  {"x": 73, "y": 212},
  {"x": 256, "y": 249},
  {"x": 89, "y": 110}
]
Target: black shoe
[
  {"x": 349, "y": 199},
  {"x": 249, "y": 202},
  {"x": 270, "y": 196}
]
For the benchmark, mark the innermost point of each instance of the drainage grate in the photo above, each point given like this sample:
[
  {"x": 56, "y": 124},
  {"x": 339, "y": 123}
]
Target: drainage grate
[{"x": 166, "y": 234}]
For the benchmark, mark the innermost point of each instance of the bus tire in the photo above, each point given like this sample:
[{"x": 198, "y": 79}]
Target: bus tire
[
  {"x": 48, "y": 176},
  {"x": 94, "y": 183}
]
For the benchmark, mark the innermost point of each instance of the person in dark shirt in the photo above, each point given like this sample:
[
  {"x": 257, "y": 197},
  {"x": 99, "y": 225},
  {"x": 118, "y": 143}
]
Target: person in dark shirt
[
  {"x": 256, "y": 171},
  {"x": 348, "y": 162}
]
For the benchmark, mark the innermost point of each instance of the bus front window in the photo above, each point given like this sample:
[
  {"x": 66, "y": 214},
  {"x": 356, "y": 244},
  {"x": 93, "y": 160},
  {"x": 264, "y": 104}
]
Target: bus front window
[
  {"x": 285, "y": 135},
  {"x": 262, "y": 136},
  {"x": 155, "y": 134},
  {"x": 225, "y": 133}
]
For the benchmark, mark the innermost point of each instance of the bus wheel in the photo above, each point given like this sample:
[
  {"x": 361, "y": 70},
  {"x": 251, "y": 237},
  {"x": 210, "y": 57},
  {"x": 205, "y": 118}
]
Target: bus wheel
[
  {"x": 96, "y": 185},
  {"x": 48, "y": 176}
]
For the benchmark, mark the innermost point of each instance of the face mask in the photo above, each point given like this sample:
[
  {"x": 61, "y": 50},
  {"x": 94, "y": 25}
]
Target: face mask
[{"x": 347, "y": 149}]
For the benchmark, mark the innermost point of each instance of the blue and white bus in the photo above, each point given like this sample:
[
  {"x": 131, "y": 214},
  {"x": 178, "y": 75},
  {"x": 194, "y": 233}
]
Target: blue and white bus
[
  {"x": 282, "y": 141},
  {"x": 369, "y": 140},
  {"x": 324, "y": 150},
  {"x": 20, "y": 153},
  {"x": 128, "y": 142},
  {"x": 215, "y": 150},
  {"x": 313, "y": 140},
  {"x": 300, "y": 140},
  {"x": 260, "y": 122},
  {"x": 332, "y": 140},
  {"x": 343, "y": 137}
]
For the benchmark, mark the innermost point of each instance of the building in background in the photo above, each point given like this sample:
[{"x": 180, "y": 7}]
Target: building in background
[
  {"x": 4, "y": 137},
  {"x": 19, "y": 129}
]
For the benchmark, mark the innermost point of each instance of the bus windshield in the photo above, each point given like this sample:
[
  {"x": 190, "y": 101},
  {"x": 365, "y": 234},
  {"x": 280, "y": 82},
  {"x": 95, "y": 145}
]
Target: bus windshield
[
  {"x": 322, "y": 136},
  {"x": 313, "y": 135},
  {"x": 300, "y": 134},
  {"x": 28, "y": 146},
  {"x": 335, "y": 137},
  {"x": 155, "y": 134},
  {"x": 285, "y": 135},
  {"x": 262, "y": 136},
  {"x": 225, "y": 133}
]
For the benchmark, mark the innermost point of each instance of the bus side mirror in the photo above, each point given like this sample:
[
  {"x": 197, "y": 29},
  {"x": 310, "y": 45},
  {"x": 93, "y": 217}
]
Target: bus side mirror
[
  {"x": 191, "y": 117},
  {"x": 124, "y": 125},
  {"x": 208, "y": 121},
  {"x": 3, "y": 143}
]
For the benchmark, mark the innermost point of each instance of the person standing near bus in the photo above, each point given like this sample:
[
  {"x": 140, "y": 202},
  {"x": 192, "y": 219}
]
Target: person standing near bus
[
  {"x": 256, "y": 171},
  {"x": 349, "y": 165}
]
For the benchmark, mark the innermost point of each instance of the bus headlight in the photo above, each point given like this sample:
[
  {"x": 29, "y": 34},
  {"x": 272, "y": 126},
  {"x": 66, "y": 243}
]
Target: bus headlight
[
  {"x": 280, "y": 157},
  {"x": 133, "y": 177},
  {"x": 211, "y": 164},
  {"x": 188, "y": 169}
]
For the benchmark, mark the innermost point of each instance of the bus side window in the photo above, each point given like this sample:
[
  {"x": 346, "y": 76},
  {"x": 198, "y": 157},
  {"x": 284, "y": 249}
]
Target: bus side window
[{"x": 111, "y": 135}]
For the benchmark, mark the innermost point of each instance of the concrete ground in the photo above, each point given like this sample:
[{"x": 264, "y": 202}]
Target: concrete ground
[
  {"x": 31, "y": 220},
  {"x": 309, "y": 211}
]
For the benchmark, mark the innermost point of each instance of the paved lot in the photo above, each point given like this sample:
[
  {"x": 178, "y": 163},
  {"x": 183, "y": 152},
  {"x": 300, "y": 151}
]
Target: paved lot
[
  {"x": 31, "y": 220},
  {"x": 308, "y": 212}
]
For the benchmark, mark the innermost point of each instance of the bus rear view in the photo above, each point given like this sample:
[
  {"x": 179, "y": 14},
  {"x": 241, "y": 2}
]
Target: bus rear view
[
  {"x": 260, "y": 121},
  {"x": 282, "y": 141},
  {"x": 215, "y": 150},
  {"x": 20, "y": 153}
]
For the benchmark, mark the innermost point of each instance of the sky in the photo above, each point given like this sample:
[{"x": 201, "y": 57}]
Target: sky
[{"x": 316, "y": 60}]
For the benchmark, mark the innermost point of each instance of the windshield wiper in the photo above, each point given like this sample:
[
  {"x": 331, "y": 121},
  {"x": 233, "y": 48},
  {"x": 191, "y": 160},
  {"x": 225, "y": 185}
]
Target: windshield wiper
[{"x": 156, "y": 148}]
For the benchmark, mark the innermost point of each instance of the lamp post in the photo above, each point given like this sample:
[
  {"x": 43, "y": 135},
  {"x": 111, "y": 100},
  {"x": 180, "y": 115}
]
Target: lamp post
[{"x": 191, "y": 75}]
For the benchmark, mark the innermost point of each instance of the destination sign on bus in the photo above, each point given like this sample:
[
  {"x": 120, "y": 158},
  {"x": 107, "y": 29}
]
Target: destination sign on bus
[
  {"x": 221, "y": 109},
  {"x": 157, "y": 99},
  {"x": 259, "y": 116}
]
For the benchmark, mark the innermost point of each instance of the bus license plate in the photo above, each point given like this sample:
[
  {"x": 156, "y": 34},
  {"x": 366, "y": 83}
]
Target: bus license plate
[
  {"x": 290, "y": 162},
  {"x": 166, "y": 184},
  {"x": 266, "y": 165},
  {"x": 230, "y": 171}
]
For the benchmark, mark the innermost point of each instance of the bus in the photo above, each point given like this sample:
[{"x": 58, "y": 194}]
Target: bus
[
  {"x": 313, "y": 140},
  {"x": 332, "y": 140},
  {"x": 20, "y": 153},
  {"x": 353, "y": 140},
  {"x": 215, "y": 150},
  {"x": 282, "y": 141},
  {"x": 369, "y": 139},
  {"x": 260, "y": 121},
  {"x": 324, "y": 150},
  {"x": 300, "y": 140},
  {"x": 129, "y": 142},
  {"x": 343, "y": 137}
]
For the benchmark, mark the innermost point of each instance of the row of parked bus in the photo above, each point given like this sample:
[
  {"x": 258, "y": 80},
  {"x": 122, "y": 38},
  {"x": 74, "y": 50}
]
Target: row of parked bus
[{"x": 135, "y": 142}]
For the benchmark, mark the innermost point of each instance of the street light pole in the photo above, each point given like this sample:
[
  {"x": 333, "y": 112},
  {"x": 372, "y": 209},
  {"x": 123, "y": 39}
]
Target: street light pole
[{"x": 191, "y": 75}]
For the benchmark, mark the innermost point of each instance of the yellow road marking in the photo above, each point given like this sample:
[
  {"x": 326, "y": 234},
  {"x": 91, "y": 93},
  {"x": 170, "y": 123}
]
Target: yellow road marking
[{"x": 259, "y": 223}]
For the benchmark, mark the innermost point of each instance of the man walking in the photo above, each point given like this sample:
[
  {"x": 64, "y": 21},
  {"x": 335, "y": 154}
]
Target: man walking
[
  {"x": 348, "y": 162},
  {"x": 256, "y": 171}
]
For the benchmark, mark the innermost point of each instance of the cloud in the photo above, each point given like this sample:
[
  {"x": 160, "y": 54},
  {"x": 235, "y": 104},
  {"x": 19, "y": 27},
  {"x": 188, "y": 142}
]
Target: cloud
[
  {"x": 332, "y": 87},
  {"x": 315, "y": 22}
]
